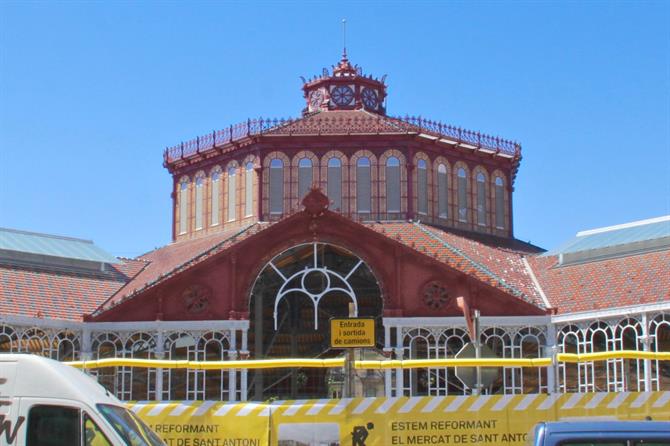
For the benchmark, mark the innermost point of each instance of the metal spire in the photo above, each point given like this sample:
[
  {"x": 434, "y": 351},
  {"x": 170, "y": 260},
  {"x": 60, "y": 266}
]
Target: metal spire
[{"x": 344, "y": 38}]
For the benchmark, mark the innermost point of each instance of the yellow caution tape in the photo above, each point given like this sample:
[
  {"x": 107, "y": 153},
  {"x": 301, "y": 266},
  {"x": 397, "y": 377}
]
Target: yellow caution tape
[
  {"x": 621, "y": 354},
  {"x": 454, "y": 362},
  {"x": 209, "y": 365},
  {"x": 380, "y": 365}
]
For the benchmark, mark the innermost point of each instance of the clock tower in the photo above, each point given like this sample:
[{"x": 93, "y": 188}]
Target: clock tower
[{"x": 345, "y": 88}]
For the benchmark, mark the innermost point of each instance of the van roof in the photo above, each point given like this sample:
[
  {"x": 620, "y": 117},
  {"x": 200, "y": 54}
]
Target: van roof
[
  {"x": 606, "y": 426},
  {"x": 36, "y": 376}
]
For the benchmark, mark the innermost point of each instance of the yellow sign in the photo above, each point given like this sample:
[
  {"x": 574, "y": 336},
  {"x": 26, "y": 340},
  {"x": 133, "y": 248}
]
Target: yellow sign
[
  {"x": 489, "y": 420},
  {"x": 352, "y": 332}
]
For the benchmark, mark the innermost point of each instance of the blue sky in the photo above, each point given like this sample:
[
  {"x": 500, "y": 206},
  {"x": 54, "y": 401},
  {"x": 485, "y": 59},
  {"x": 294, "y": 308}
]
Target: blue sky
[{"x": 91, "y": 93}]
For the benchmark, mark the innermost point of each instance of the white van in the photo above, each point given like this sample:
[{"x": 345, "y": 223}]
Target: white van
[{"x": 46, "y": 403}]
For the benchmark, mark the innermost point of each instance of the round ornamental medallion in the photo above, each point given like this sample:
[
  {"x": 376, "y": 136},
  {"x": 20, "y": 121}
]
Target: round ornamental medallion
[
  {"x": 342, "y": 95},
  {"x": 315, "y": 99},
  {"x": 435, "y": 295},
  {"x": 370, "y": 99},
  {"x": 195, "y": 298}
]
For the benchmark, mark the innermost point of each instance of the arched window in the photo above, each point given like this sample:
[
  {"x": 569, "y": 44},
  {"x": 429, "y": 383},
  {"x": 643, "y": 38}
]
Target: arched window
[
  {"x": 422, "y": 185},
  {"x": 215, "y": 182},
  {"x": 500, "y": 203},
  {"x": 183, "y": 206},
  {"x": 363, "y": 187},
  {"x": 442, "y": 192},
  {"x": 462, "y": 187},
  {"x": 248, "y": 189},
  {"x": 232, "y": 193},
  {"x": 393, "y": 184},
  {"x": 481, "y": 199},
  {"x": 335, "y": 182},
  {"x": 199, "y": 197},
  {"x": 276, "y": 186},
  {"x": 304, "y": 177}
]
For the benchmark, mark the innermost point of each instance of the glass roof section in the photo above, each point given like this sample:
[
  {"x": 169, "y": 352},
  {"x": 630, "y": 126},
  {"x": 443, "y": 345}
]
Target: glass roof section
[
  {"x": 53, "y": 246},
  {"x": 611, "y": 236}
]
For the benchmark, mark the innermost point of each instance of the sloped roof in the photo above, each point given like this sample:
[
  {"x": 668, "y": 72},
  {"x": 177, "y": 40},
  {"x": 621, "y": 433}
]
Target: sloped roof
[
  {"x": 169, "y": 260},
  {"x": 638, "y": 231},
  {"x": 502, "y": 268},
  {"x": 53, "y": 246},
  {"x": 609, "y": 283},
  {"x": 616, "y": 282},
  {"x": 498, "y": 267},
  {"x": 60, "y": 294},
  {"x": 340, "y": 122}
]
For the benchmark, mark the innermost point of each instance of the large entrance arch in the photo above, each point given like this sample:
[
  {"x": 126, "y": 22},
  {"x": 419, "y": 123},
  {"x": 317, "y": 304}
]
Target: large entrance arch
[{"x": 291, "y": 302}]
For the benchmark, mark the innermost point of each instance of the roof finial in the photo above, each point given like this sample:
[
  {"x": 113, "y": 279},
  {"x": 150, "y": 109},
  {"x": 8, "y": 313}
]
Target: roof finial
[{"x": 344, "y": 39}]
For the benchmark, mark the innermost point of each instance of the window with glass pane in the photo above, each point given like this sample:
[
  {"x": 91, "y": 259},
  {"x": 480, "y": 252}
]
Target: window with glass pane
[
  {"x": 392, "y": 185},
  {"x": 462, "y": 187},
  {"x": 422, "y": 183},
  {"x": 304, "y": 177},
  {"x": 276, "y": 186},
  {"x": 335, "y": 183},
  {"x": 183, "y": 207},
  {"x": 232, "y": 194},
  {"x": 481, "y": 199},
  {"x": 363, "y": 187},
  {"x": 500, "y": 203},
  {"x": 216, "y": 197},
  {"x": 93, "y": 436},
  {"x": 53, "y": 426},
  {"x": 248, "y": 189},
  {"x": 442, "y": 192},
  {"x": 199, "y": 183}
]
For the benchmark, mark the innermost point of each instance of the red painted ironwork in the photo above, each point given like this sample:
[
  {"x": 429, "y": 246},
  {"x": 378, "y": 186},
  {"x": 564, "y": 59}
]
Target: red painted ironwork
[{"x": 326, "y": 124}]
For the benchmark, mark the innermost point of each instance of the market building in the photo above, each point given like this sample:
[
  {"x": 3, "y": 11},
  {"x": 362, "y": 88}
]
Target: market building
[{"x": 280, "y": 225}]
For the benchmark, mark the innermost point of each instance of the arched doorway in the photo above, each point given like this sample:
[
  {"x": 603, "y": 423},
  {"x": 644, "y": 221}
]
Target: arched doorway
[{"x": 292, "y": 300}]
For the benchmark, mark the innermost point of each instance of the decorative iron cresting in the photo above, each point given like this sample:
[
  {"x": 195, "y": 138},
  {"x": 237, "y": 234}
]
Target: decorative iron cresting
[{"x": 325, "y": 125}]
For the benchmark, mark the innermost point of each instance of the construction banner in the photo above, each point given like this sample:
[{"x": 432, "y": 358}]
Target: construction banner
[{"x": 442, "y": 420}]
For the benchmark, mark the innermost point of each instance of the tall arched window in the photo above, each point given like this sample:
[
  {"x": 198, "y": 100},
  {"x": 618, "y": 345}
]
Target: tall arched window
[
  {"x": 248, "y": 189},
  {"x": 304, "y": 177},
  {"x": 500, "y": 203},
  {"x": 215, "y": 182},
  {"x": 481, "y": 199},
  {"x": 442, "y": 192},
  {"x": 335, "y": 182},
  {"x": 276, "y": 186},
  {"x": 393, "y": 184},
  {"x": 183, "y": 206},
  {"x": 462, "y": 187},
  {"x": 232, "y": 193},
  {"x": 363, "y": 185},
  {"x": 422, "y": 186},
  {"x": 199, "y": 197}
]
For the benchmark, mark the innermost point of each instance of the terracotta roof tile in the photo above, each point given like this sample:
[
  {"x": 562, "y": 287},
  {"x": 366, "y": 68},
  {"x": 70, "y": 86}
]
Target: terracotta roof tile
[
  {"x": 169, "y": 260},
  {"x": 598, "y": 285},
  {"x": 494, "y": 263},
  {"x": 35, "y": 291}
]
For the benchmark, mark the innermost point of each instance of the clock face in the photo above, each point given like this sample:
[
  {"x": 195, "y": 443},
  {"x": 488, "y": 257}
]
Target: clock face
[
  {"x": 315, "y": 99},
  {"x": 370, "y": 99},
  {"x": 342, "y": 95}
]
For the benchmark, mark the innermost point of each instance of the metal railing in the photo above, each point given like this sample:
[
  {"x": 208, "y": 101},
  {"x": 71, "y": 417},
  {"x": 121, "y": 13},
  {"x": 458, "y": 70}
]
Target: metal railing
[{"x": 323, "y": 124}]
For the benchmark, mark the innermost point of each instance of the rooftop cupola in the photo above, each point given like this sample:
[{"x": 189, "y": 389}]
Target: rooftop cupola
[{"x": 344, "y": 87}]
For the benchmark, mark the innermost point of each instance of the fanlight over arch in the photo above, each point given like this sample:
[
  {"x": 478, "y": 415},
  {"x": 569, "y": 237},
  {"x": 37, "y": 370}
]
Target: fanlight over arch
[{"x": 311, "y": 275}]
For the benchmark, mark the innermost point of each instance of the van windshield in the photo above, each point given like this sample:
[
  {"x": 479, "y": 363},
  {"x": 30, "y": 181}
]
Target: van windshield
[{"x": 133, "y": 431}]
